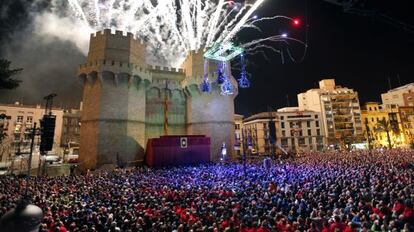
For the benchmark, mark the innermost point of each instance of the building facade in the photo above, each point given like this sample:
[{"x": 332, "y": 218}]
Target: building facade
[
  {"x": 256, "y": 132},
  {"x": 401, "y": 96},
  {"x": 21, "y": 119},
  {"x": 340, "y": 111},
  {"x": 238, "y": 134},
  {"x": 384, "y": 126},
  {"x": 296, "y": 131},
  {"x": 300, "y": 131},
  {"x": 71, "y": 124},
  {"x": 126, "y": 101},
  {"x": 406, "y": 115}
]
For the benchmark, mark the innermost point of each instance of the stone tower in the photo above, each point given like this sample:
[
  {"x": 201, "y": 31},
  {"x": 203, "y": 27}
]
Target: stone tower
[
  {"x": 210, "y": 114},
  {"x": 123, "y": 101}
]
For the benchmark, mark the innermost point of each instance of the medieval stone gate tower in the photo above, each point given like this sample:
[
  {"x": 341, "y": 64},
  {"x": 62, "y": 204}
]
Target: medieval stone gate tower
[{"x": 124, "y": 102}]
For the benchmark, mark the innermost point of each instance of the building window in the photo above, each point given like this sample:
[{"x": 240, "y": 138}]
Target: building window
[
  {"x": 283, "y": 133},
  {"x": 317, "y": 123},
  {"x": 318, "y": 132},
  {"x": 308, "y": 124},
  {"x": 310, "y": 140},
  {"x": 319, "y": 140},
  {"x": 19, "y": 119},
  {"x": 282, "y": 117},
  {"x": 316, "y": 116},
  {"x": 284, "y": 142},
  {"x": 29, "y": 119},
  {"x": 309, "y": 132},
  {"x": 301, "y": 141},
  {"x": 282, "y": 124}
]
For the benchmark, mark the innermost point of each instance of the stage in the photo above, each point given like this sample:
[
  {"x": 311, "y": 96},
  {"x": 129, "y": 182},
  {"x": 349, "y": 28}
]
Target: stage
[{"x": 177, "y": 150}]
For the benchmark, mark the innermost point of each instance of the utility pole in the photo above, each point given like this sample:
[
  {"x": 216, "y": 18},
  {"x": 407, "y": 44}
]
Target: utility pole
[
  {"x": 272, "y": 132},
  {"x": 29, "y": 164}
]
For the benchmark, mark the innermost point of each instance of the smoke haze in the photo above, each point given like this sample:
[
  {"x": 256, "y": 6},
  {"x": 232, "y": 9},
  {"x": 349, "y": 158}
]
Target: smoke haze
[{"x": 41, "y": 43}]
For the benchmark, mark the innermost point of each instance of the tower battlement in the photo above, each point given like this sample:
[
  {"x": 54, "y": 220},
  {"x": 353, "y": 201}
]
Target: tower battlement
[
  {"x": 120, "y": 34},
  {"x": 119, "y": 47}
]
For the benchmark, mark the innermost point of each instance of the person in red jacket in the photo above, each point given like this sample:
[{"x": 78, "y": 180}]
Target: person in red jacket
[
  {"x": 337, "y": 224},
  {"x": 62, "y": 227}
]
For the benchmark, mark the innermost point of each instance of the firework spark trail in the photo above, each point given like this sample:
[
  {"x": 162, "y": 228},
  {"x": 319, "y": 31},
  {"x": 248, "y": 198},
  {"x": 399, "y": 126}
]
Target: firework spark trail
[
  {"x": 131, "y": 14},
  {"x": 231, "y": 24},
  {"x": 74, "y": 4},
  {"x": 214, "y": 22},
  {"x": 139, "y": 25},
  {"x": 187, "y": 22},
  {"x": 97, "y": 13},
  {"x": 199, "y": 23},
  {"x": 170, "y": 28},
  {"x": 238, "y": 26},
  {"x": 276, "y": 38},
  {"x": 224, "y": 20}
]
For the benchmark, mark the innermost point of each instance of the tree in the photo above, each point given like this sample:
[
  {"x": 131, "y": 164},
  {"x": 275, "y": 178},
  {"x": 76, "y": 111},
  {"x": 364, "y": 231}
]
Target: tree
[
  {"x": 5, "y": 147},
  {"x": 387, "y": 127},
  {"x": 6, "y": 80},
  {"x": 3, "y": 117}
]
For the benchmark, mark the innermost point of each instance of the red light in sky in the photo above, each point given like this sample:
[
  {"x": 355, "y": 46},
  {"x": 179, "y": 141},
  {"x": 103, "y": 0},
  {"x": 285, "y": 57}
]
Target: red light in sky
[{"x": 296, "y": 22}]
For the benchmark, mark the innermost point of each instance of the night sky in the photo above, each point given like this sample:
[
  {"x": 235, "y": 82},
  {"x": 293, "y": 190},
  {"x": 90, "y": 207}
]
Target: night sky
[{"x": 360, "y": 52}]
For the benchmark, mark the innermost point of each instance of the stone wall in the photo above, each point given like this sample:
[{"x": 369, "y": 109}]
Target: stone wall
[{"x": 213, "y": 115}]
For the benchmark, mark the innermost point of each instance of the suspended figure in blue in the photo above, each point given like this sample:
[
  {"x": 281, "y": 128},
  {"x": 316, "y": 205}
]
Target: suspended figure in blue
[
  {"x": 205, "y": 85},
  {"x": 226, "y": 86},
  {"x": 221, "y": 76},
  {"x": 243, "y": 81}
]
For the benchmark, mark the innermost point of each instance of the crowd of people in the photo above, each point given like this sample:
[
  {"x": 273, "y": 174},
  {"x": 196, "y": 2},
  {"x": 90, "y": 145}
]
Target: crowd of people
[{"x": 328, "y": 192}]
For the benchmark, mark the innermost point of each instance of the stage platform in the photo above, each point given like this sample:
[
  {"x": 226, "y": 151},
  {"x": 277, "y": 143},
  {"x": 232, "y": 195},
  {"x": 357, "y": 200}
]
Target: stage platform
[{"x": 176, "y": 150}]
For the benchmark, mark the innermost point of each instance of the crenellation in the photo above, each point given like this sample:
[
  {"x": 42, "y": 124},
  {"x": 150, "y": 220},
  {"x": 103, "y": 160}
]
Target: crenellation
[
  {"x": 106, "y": 32},
  {"x": 115, "y": 34}
]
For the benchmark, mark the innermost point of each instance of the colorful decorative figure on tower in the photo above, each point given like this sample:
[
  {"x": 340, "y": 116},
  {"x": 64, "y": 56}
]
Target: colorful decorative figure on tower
[
  {"x": 227, "y": 87},
  {"x": 243, "y": 81},
  {"x": 221, "y": 76},
  {"x": 205, "y": 86}
]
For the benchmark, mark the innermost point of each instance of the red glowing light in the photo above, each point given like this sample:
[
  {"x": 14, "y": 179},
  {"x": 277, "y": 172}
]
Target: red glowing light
[{"x": 296, "y": 22}]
